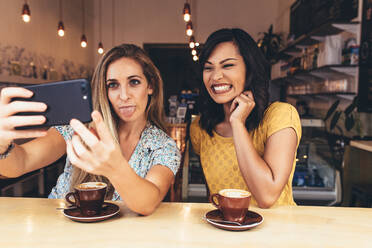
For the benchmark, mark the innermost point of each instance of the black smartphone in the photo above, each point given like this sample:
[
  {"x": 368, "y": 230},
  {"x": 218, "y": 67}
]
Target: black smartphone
[{"x": 65, "y": 100}]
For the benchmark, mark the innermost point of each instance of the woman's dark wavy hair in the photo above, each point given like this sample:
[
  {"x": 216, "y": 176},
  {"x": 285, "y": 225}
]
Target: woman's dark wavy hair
[{"x": 257, "y": 78}]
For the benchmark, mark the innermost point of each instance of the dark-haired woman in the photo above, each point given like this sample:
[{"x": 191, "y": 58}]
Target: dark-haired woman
[{"x": 242, "y": 141}]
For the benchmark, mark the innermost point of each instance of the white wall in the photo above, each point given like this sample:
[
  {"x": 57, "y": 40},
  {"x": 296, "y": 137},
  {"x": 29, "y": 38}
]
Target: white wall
[
  {"x": 161, "y": 21},
  {"x": 136, "y": 21},
  {"x": 282, "y": 16},
  {"x": 39, "y": 37}
]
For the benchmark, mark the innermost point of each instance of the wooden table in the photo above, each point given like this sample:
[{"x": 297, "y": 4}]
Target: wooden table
[
  {"x": 32, "y": 222},
  {"x": 362, "y": 144}
]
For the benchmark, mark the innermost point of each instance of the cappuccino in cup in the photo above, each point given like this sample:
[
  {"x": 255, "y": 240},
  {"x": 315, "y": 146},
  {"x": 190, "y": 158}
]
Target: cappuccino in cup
[
  {"x": 91, "y": 186},
  {"x": 88, "y": 197},
  {"x": 234, "y": 193},
  {"x": 233, "y": 203}
]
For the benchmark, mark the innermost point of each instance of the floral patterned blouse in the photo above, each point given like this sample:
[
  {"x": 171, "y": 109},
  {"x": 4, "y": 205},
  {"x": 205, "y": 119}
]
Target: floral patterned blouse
[{"x": 154, "y": 147}]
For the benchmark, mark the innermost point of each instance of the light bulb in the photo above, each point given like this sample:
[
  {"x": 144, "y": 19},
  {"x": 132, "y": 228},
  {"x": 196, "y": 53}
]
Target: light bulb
[
  {"x": 83, "y": 42},
  {"x": 193, "y": 52},
  {"x": 196, "y": 44},
  {"x": 186, "y": 17},
  {"x": 195, "y": 58},
  {"x": 186, "y": 12},
  {"x": 26, "y": 13},
  {"x": 192, "y": 42},
  {"x": 100, "y": 48},
  {"x": 189, "y": 32},
  {"x": 26, "y": 18},
  {"x": 61, "y": 29},
  {"x": 189, "y": 29},
  {"x": 61, "y": 32}
]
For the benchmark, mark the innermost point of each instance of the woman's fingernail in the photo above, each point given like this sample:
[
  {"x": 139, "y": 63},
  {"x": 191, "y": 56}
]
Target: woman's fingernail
[
  {"x": 93, "y": 131},
  {"x": 73, "y": 122}
]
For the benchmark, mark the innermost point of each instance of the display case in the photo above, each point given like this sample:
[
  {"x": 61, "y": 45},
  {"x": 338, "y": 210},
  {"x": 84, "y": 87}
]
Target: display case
[{"x": 316, "y": 180}]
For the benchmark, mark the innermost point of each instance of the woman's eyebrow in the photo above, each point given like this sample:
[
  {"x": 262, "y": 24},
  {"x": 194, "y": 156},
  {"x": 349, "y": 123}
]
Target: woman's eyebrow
[
  {"x": 134, "y": 76},
  {"x": 225, "y": 60},
  {"x": 129, "y": 77},
  {"x": 221, "y": 62}
]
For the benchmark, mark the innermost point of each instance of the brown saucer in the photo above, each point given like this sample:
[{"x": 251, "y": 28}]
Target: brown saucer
[
  {"x": 252, "y": 219},
  {"x": 108, "y": 210}
]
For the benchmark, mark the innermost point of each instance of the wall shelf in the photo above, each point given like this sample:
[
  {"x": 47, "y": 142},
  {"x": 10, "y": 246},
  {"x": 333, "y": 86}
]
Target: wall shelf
[
  {"x": 331, "y": 70},
  {"x": 306, "y": 122},
  {"x": 327, "y": 71},
  {"x": 324, "y": 94},
  {"x": 20, "y": 79},
  {"x": 317, "y": 35}
]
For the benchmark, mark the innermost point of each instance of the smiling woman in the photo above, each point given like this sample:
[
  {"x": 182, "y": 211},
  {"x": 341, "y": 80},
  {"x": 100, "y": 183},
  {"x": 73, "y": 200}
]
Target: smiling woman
[
  {"x": 224, "y": 73},
  {"x": 243, "y": 143}
]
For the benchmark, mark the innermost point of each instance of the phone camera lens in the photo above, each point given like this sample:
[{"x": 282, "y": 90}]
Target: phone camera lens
[{"x": 83, "y": 88}]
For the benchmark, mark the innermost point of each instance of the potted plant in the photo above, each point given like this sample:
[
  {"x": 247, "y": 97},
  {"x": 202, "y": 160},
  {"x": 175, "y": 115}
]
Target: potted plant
[{"x": 270, "y": 44}]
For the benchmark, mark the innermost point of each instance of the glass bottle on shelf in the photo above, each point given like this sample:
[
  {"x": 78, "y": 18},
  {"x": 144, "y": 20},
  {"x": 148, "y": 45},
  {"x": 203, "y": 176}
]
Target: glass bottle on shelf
[
  {"x": 310, "y": 55},
  {"x": 305, "y": 60},
  {"x": 315, "y": 57}
]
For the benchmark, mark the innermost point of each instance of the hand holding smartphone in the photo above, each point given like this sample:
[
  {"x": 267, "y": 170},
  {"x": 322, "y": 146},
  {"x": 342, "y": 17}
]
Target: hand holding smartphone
[{"x": 65, "y": 100}]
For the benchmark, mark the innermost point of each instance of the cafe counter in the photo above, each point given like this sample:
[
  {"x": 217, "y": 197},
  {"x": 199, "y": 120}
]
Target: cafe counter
[{"x": 37, "y": 222}]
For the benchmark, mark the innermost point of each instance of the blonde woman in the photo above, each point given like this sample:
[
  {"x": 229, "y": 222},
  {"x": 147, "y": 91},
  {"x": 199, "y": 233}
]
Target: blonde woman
[{"x": 125, "y": 146}]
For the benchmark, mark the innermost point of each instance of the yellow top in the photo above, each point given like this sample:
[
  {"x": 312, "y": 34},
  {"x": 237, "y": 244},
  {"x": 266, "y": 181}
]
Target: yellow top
[{"x": 218, "y": 157}]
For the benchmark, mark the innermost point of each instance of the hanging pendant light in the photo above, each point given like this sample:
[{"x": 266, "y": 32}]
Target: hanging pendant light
[
  {"x": 189, "y": 31},
  {"x": 61, "y": 27},
  {"x": 113, "y": 22},
  {"x": 26, "y": 13},
  {"x": 186, "y": 12},
  {"x": 100, "y": 48},
  {"x": 192, "y": 42},
  {"x": 100, "y": 45},
  {"x": 83, "y": 40}
]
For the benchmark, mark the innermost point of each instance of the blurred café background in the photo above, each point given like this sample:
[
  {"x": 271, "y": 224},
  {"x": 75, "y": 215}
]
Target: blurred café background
[{"x": 320, "y": 53}]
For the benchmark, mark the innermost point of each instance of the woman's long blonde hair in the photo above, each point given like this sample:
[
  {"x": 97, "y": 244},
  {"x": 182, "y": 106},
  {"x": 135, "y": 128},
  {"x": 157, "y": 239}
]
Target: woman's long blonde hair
[{"x": 154, "y": 111}]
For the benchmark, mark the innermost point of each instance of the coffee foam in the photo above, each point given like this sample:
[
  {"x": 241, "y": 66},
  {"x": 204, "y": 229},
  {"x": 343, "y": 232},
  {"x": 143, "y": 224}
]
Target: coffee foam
[
  {"x": 234, "y": 193},
  {"x": 91, "y": 185}
]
